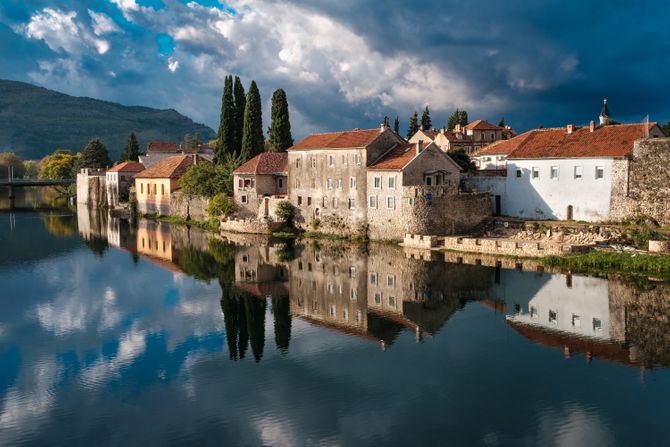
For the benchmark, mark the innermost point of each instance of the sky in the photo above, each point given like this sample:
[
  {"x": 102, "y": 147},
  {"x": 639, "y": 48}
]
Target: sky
[{"x": 348, "y": 63}]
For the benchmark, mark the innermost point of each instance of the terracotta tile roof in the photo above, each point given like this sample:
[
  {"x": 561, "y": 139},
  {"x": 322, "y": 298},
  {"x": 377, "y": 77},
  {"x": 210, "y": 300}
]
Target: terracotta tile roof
[
  {"x": 503, "y": 147},
  {"x": 337, "y": 140},
  {"x": 481, "y": 125},
  {"x": 162, "y": 146},
  {"x": 171, "y": 167},
  {"x": 432, "y": 134},
  {"x": 398, "y": 157},
  {"x": 127, "y": 166},
  {"x": 265, "y": 163},
  {"x": 457, "y": 136},
  {"x": 605, "y": 141}
]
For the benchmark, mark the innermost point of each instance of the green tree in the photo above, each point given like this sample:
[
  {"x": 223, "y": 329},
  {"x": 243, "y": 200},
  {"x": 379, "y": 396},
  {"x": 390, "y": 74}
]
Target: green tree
[
  {"x": 463, "y": 118},
  {"x": 462, "y": 159},
  {"x": 9, "y": 161},
  {"x": 94, "y": 155},
  {"x": 413, "y": 125},
  {"x": 31, "y": 169},
  {"x": 225, "y": 142},
  {"x": 279, "y": 133},
  {"x": 387, "y": 121},
  {"x": 58, "y": 166},
  {"x": 132, "y": 150},
  {"x": 458, "y": 117},
  {"x": 666, "y": 129},
  {"x": 240, "y": 101},
  {"x": 252, "y": 135},
  {"x": 205, "y": 180},
  {"x": 426, "y": 122},
  {"x": 396, "y": 125},
  {"x": 285, "y": 212},
  {"x": 221, "y": 205},
  {"x": 501, "y": 123}
]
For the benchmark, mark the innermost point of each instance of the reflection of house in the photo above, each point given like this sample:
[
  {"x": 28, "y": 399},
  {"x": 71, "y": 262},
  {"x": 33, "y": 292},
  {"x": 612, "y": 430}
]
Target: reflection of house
[
  {"x": 565, "y": 173},
  {"x": 119, "y": 180},
  {"x": 263, "y": 177},
  {"x": 259, "y": 272},
  {"x": 154, "y": 185},
  {"x": 155, "y": 242}
]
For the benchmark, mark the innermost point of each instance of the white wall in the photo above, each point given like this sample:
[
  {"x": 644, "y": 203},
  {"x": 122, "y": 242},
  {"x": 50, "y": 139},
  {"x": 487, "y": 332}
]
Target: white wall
[{"x": 546, "y": 198}]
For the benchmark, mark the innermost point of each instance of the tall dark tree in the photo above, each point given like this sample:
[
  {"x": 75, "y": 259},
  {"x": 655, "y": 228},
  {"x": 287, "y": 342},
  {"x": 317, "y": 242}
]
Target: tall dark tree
[
  {"x": 454, "y": 119},
  {"x": 240, "y": 100},
  {"x": 225, "y": 142},
  {"x": 426, "y": 122},
  {"x": 256, "y": 324},
  {"x": 413, "y": 125},
  {"x": 132, "y": 150},
  {"x": 252, "y": 134},
  {"x": 501, "y": 123},
  {"x": 387, "y": 121},
  {"x": 462, "y": 159},
  {"x": 396, "y": 125},
  {"x": 463, "y": 118},
  {"x": 666, "y": 129},
  {"x": 94, "y": 155},
  {"x": 282, "y": 319},
  {"x": 279, "y": 133}
]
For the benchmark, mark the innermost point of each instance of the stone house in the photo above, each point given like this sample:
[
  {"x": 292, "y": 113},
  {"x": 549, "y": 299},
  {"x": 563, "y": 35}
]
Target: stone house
[
  {"x": 119, "y": 179},
  {"x": 566, "y": 173},
  {"x": 91, "y": 189},
  {"x": 396, "y": 179},
  {"x": 494, "y": 156},
  {"x": 328, "y": 179},
  {"x": 259, "y": 180},
  {"x": 154, "y": 185},
  {"x": 160, "y": 150},
  {"x": 475, "y": 135},
  {"x": 446, "y": 140}
]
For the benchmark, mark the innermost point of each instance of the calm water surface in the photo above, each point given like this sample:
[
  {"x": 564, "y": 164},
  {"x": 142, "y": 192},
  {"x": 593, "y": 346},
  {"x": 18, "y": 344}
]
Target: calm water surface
[{"x": 152, "y": 335}]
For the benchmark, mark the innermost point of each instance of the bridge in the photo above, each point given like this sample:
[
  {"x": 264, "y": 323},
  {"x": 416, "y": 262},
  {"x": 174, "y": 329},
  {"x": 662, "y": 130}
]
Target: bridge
[{"x": 24, "y": 183}]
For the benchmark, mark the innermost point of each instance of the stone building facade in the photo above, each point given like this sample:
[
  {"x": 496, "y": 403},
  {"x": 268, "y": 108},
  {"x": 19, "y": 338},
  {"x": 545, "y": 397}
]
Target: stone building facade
[
  {"x": 258, "y": 182},
  {"x": 91, "y": 188},
  {"x": 119, "y": 179}
]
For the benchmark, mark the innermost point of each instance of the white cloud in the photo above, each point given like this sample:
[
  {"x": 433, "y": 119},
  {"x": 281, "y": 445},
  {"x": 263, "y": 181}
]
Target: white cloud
[
  {"x": 102, "y": 24},
  {"x": 173, "y": 64}
]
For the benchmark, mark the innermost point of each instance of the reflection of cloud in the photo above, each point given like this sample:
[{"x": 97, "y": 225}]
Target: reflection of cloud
[{"x": 573, "y": 426}]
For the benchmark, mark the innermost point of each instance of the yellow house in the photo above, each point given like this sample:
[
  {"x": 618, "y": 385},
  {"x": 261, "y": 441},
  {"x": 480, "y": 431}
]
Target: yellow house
[{"x": 154, "y": 185}]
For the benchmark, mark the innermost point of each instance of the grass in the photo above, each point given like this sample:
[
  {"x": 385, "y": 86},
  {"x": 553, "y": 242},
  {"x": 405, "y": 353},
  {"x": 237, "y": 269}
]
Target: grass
[
  {"x": 599, "y": 261},
  {"x": 207, "y": 225},
  {"x": 316, "y": 235}
]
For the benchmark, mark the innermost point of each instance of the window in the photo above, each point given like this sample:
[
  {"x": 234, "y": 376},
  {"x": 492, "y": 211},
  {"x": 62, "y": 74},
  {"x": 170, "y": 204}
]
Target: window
[
  {"x": 297, "y": 183},
  {"x": 309, "y": 201},
  {"x": 429, "y": 181},
  {"x": 378, "y": 298},
  {"x": 391, "y": 301},
  {"x": 600, "y": 172},
  {"x": 162, "y": 189},
  {"x": 248, "y": 183},
  {"x": 239, "y": 183},
  {"x": 352, "y": 272},
  {"x": 576, "y": 322},
  {"x": 243, "y": 199},
  {"x": 352, "y": 204},
  {"x": 552, "y": 316},
  {"x": 299, "y": 200},
  {"x": 390, "y": 280},
  {"x": 533, "y": 312},
  {"x": 352, "y": 182},
  {"x": 141, "y": 188},
  {"x": 344, "y": 160},
  {"x": 373, "y": 202},
  {"x": 280, "y": 183},
  {"x": 331, "y": 160},
  {"x": 597, "y": 324},
  {"x": 518, "y": 173},
  {"x": 553, "y": 173},
  {"x": 438, "y": 179},
  {"x": 154, "y": 189},
  {"x": 390, "y": 203},
  {"x": 357, "y": 159},
  {"x": 312, "y": 161},
  {"x": 373, "y": 279},
  {"x": 297, "y": 162},
  {"x": 535, "y": 172},
  {"x": 392, "y": 182},
  {"x": 335, "y": 202},
  {"x": 329, "y": 183},
  {"x": 579, "y": 172},
  {"x": 354, "y": 294},
  {"x": 324, "y": 202},
  {"x": 410, "y": 201},
  {"x": 339, "y": 183},
  {"x": 378, "y": 182}
]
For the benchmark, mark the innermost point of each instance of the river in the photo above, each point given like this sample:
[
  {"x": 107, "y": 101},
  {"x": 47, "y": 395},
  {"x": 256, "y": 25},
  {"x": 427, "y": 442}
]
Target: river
[{"x": 154, "y": 334}]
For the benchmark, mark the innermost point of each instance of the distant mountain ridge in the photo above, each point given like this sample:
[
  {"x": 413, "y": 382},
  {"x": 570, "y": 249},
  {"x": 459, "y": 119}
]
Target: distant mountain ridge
[{"x": 35, "y": 121}]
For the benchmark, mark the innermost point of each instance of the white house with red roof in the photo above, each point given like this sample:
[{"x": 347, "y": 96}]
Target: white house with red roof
[
  {"x": 564, "y": 173},
  {"x": 258, "y": 181},
  {"x": 119, "y": 179}
]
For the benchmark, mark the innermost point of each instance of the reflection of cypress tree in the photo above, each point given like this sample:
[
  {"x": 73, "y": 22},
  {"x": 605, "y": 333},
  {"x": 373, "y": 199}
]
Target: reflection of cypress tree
[
  {"x": 242, "y": 324},
  {"x": 256, "y": 324},
  {"x": 282, "y": 320},
  {"x": 230, "y": 309}
]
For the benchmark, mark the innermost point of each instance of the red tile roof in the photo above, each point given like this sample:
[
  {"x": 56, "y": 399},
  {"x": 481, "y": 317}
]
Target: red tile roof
[
  {"x": 162, "y": 146},
  {"x": 503, "y": 147},
  {"x": 337, "y": 140},
  {"x": 605, "y": 141},
  {"x": 171, "y": 167},
  {"x": 481, "y": 125},
  {"x": 398, "y": 157},
  {"x": 127, "y": 166},
  {"x": 265, "y": 163}
]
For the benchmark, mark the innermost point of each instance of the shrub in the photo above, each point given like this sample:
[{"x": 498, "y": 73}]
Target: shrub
[
  {"x": 315, "y": 223},
  {"x": 206, "y": 180},
  {"x": 221, "y": 205},
  {"x": 285, "y": 212}
]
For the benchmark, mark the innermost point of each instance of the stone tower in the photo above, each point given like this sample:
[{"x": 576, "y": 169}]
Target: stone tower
[{"x": 604, "y": 113}]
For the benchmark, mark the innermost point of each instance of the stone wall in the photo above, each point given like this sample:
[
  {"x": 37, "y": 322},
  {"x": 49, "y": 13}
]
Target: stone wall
[
  {"x": 642, "y": 185},
  {"x": 509, "y": 247},
  {"x": 188, "y": 207},
  {"x": 91, "y": 189},
  {"x": 250, "y": 226}
]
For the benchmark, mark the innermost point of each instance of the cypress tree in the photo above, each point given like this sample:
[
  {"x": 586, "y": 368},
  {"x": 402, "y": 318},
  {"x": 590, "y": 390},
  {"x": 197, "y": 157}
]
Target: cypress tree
[
  {"x": 95, "y": 155},
  {"x": 132, "y": 150},
  {"x": 501, "y": 123},
  {"x": 463, "y": 118},
  {"x": 225, "y": 143},
  {"x": 396, "y": 125},
  {"x": 252, "y": 134},
  {"x": 240, "y": 100},
  {"x": 413, "y": 125},
  {"x": 282, "y": 322},
  {"x": 426, "y": 122},
  {"x": 387, "y": 122},
  {"x": 279, "y": 133},
  {"x": 455, "y": 118}
]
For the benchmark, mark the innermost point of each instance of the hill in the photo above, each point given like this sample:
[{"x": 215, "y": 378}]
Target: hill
[{"x": 35, "y": 121}]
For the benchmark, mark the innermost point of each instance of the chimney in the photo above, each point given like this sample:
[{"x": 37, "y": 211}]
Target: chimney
[
  {"x": 592, "y": 126},
  {"x": 421, "y": 128},
  {"x": 418, "y": 147},
  {"x": 383, "y": 127},
  {"x": 457, "y": 128},
  {"x": 442, "y": 131},
  {"x": 195, "y": 159},
  {"x": 571, "y": 128}
]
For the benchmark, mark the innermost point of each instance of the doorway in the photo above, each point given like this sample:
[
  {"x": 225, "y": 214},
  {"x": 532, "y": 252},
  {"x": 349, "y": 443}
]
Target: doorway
[
  {"x": 569, "y": 212},
  {"x": 498, "y": 211}
]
